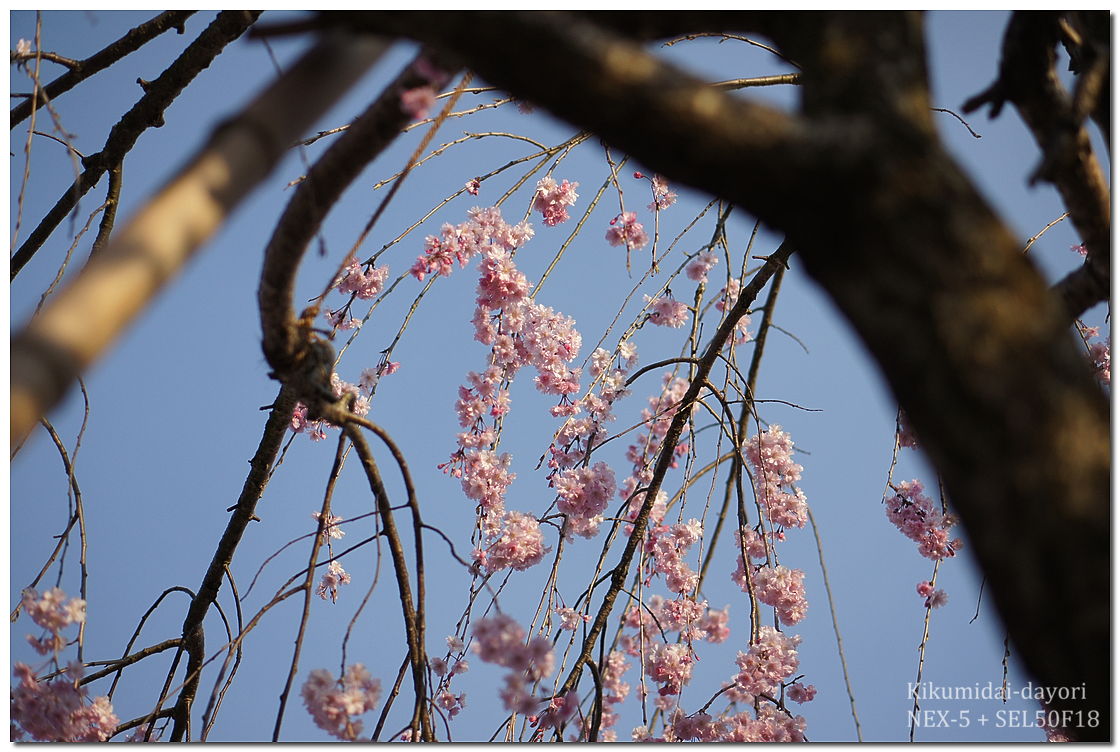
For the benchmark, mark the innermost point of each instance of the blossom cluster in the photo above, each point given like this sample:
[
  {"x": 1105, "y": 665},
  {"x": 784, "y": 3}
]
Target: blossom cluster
[
  {"x": 501, "y": 640},
  {"x": 586, "y": 417},
  {"x": 334, "y": 703},
  {"x": 517, "y": 544},
  {"x": 667, "y": 545},
  {"x": 665, "y": 311},
  {"x": 1100, "y": 356},
  {"x": 52, "y": 611},
  {"x": 582, "y": 495},
  {"x": 770, "y": 457},
  {"x": 913, "y": 513},
  {"x": 771, "y": 659},
  {"x": 520, "y": 333},
  {"x": 663, "y": 198},
  {"x": 552, "y": 199},
  {"x": 935, "y": 598},
  {"x": 448, "y": 668},
  {"x": 657, "y": 418},
  {"x": 484, "y": 230},
  {"x": 626, "y": 230},
  {"x": 57, "y": 710},
  {"x": 771, "y": 726},
  {"x": 361, "y": 281},
  {"x": 697, "y": 269}
]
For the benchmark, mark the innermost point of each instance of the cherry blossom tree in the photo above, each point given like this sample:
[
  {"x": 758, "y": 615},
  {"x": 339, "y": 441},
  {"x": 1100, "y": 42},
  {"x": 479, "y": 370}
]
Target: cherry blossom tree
[{"x": 587, "y": 602}]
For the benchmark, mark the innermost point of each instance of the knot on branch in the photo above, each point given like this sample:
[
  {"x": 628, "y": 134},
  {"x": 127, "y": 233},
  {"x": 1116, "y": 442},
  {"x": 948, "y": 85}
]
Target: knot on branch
[{"x": 310, "y": 373}]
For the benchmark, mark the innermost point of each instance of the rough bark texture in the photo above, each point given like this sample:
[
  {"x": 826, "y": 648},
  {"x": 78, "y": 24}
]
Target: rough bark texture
[{"x": 975, "y": 346}]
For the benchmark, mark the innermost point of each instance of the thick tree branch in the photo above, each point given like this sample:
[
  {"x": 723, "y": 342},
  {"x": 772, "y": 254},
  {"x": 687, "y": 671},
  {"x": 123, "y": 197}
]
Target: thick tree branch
[
  {"x": 974, "y": 345},
  {"x": 608, "y": 84},
  {"x": 335, "y": 170},
  {"x": 1028, "y": 79}
]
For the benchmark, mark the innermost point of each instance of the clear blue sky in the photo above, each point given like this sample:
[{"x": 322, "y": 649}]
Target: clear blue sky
[{"x": 174, "y": 407}]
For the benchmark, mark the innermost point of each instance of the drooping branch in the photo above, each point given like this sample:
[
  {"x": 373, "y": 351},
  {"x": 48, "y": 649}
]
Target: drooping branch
[
  {"x": 133, "y": 40},
  {"x": 90, "y": 313},
  {"x": 413, "y": 623},
  {"x": 335, "y": 170},
  {"x": 621, "y": 571},
  {"x": 146, "y": 113},
  {"x": 974, "y": 345}
]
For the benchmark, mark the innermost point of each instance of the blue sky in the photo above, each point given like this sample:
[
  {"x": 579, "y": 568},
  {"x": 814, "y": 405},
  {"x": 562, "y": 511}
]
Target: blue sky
[{"x": 175, "y": 416}]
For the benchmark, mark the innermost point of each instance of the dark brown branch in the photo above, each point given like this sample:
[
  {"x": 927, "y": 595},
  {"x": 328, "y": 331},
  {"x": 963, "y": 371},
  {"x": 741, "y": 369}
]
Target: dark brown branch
[
  {"x": 133, "y": 40},
  {"x": 335, "y": 170},
  {"x": 598, "y": 65},
  {"x": 244, "y": 512},
  {"x": 146, "y": 113},
  {"x": 1028, "y": 79},
  {"x": 421, "y": 719},
  {"x": 53, "y": 57},
  {"x": 309, "y": 581},
  {"x": 116, "y": 665},
  {"x": 965, "y": 330},
  {"x": 112, "y": 201}
]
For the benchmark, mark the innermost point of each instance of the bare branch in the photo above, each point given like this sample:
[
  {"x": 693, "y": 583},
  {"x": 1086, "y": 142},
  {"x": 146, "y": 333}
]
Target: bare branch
[{"x": 136, "y": 38}]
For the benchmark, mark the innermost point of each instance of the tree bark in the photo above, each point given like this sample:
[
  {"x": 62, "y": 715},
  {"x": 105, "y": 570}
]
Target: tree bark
[{"x": 974, "y": 345}]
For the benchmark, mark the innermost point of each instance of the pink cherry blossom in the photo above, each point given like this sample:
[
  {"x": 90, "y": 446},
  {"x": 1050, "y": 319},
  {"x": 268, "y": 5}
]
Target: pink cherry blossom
[
  {"x": 341, "y": 320},
  {"x": 784, "y": 589},
  {"x": 52, "y": 610},
  {"x": 332, "y": 579},
  {"x": 333, "y": 703},
  {"x": 915, "y": 515},
  {"x": 667, "y": 312},
  {"x": 697, "y": 269},
  {"x": 57, "y": 710},
  {"x": 364, "y": 283},
  {"x": 663, "y": 198},
  {"x": 331, "y": 528},
  {"x": 416, "y": 102},
  {"x": 583, "y": 494},
  {"x": 484, "y": 229},
  {"x": 670, "y": 665},
  {"x": 770, "y": 660},
  {"x": 570, "y": 618},
  {"x": 800, "y": 693},
  {"x": 626, "y": 230},
  {"x": 518, "y": 545},
  {"x": 552, "y": 199}
]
